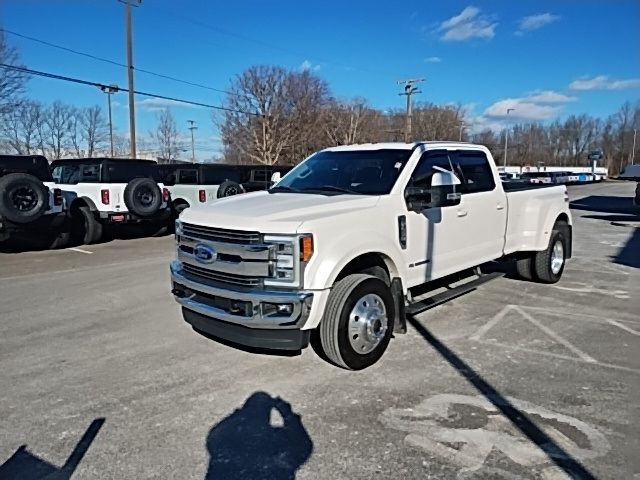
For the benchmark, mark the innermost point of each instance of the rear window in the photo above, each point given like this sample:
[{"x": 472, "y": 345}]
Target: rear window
[
  {"x": 474, "y": 172},
  {"x": 219, "y": 175}
]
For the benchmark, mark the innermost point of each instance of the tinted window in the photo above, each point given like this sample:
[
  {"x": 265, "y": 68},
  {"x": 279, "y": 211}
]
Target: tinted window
[
  {"x": 66, "y": 174},
  {"x": 125, "y": 172},
  {"x": 189, "y": 177},
  {"x": 474, "y": 171},
  {"x": 421, "y": 177},
  {"x": 219, "y": 175},
  {"x": 366, "y": 172},
  {"x": 90, "y": 173}
]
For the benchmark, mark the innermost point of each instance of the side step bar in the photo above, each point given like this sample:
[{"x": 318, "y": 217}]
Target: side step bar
[{"x": 440, "y": 298}]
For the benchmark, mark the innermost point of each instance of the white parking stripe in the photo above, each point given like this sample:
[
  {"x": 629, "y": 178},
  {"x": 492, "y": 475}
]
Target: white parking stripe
[
  {"x": 79, "y": 250},
  {"x": 623, "y": 327}
]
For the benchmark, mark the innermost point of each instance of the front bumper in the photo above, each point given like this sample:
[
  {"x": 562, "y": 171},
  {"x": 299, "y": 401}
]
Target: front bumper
[{"x": 239, "y": 315}]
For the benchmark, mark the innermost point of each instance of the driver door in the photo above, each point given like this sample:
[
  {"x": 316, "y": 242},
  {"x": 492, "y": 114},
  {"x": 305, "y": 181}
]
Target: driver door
[{"x": 434, "y": 235}]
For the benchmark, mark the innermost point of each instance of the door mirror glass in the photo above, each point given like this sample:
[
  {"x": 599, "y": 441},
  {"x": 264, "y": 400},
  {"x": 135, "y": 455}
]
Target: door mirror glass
[{"x": 445, "y": 189}]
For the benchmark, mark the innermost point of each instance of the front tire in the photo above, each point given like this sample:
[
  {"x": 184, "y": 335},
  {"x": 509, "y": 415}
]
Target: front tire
[
  {"x": 549, "y": 264},
  {"x": 358, "y": 321}
]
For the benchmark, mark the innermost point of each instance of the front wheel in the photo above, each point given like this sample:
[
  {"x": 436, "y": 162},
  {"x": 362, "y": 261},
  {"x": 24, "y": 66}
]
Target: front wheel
[
  {"x": 549, "y": 264},
  {"x": 358, "y": 321}
]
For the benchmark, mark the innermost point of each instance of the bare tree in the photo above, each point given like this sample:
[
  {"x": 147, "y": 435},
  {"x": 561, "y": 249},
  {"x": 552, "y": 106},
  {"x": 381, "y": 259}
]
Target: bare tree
[
  {"x": 12, "y": 82},
  {"x": 94, "y": 129},
  {"x": 274, "y": 114},
  {"x": 58, "y": 120},
  {"x": 166, "y": 135},
  {"x": 20, "y": 128}
]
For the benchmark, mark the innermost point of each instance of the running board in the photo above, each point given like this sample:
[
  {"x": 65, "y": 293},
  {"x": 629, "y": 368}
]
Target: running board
[{"x": 440, "y": 298}]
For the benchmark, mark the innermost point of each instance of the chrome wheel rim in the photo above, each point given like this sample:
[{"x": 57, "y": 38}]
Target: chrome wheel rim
[
  {"x": 557, "y": 257},
  {"x": 367, "y": 323}
]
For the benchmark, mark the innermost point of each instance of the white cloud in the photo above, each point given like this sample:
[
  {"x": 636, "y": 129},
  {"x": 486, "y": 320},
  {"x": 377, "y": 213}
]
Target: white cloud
[
  {"x": 157, "y": 104},
  {"x": 603, "y": 82},
  {"x": 470, "y": 23},
  {"x": 549, "y": 96},
  {"x": 308, "y": 66},
  {"x": 523, "y": 109},
  {"x": 433, "y": 60},
  {"x": 534, "y": 22}
]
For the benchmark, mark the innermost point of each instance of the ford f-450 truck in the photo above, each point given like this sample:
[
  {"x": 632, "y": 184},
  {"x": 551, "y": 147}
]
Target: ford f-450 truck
[{"x": 334, "y": 252}]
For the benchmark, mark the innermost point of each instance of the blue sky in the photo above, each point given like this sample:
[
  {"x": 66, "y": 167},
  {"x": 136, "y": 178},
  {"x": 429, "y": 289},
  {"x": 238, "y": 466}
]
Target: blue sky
[{"x": 546, "y": 59}]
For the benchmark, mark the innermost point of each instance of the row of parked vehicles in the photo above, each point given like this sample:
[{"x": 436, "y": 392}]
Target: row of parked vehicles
[
  {"x": 82, "y": 201},
  {"x": 553, "y": 178}
]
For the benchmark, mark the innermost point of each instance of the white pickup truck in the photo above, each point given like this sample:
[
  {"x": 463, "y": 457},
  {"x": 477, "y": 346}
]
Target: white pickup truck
[{"x": 335, "y": 250}]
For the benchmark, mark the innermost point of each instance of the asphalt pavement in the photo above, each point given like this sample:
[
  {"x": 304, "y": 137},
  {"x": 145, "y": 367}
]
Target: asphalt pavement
[{"x": 101, "y": 378}]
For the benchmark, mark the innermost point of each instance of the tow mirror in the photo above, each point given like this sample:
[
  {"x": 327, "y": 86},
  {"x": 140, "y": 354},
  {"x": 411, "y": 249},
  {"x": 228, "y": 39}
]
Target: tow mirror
[
  {"x": 445, "y": 189},
  {"x": 275, "y": 178}
]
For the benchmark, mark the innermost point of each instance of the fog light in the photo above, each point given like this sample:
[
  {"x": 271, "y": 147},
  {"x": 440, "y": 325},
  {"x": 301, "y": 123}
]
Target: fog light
[{"x": 277, "y": 309}]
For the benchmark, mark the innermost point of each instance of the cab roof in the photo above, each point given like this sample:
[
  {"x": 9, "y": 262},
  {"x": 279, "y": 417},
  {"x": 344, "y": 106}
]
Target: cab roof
[{"x": 399, "y": 146}]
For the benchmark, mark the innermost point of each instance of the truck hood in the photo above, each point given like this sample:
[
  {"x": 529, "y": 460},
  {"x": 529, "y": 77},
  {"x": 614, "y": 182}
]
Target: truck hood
[{"x": 274, "y": 212}]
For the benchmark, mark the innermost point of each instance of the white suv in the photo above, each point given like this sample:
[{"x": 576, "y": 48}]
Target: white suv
[{"x": 111, "y": 193}]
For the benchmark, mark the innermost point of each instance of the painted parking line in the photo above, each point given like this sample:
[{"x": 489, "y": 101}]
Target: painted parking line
[
  {"x": 80, "y": 250},
  {"x": 623, "y": 327}
]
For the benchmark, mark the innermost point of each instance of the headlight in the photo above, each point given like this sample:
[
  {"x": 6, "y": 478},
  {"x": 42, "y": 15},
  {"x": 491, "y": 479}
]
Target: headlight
[{"x": 290, "y": 255}]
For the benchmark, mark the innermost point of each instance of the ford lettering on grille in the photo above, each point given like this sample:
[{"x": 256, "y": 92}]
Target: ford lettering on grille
[{"x": 204, "y": 253}]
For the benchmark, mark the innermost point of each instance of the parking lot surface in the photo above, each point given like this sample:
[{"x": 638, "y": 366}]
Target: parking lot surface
[{"x": 101, "y": 378}]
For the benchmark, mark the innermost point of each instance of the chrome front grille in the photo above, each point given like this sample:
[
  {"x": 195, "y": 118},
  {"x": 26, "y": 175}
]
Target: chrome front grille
[
  {"x": 221, "y": 277},
  {"x": 220, "y": 234}
]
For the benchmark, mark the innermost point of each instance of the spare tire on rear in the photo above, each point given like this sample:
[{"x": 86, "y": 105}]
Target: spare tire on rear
[
  {"x": 23, "y": 198},
  {"x": 228, "y": 189},
  {"x": 143, "y": 197}
]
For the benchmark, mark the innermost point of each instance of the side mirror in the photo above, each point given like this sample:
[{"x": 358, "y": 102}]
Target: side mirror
[
  {"x": 445, "y": 189},
  {"x": 275, "y": 178}
]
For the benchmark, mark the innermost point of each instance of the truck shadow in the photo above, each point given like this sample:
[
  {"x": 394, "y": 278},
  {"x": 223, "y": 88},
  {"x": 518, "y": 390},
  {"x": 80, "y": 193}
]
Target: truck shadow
[
  {"x": 629, "y": 255},
  {"x": 25, "y": 465},
  {"x": 556, "y": 454},
  {"x": 246, "y": 445},
  {"x": 604, "y": 204}
]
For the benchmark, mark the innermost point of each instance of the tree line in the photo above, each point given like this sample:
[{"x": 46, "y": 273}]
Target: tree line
[{"x": 281, "y": 116}]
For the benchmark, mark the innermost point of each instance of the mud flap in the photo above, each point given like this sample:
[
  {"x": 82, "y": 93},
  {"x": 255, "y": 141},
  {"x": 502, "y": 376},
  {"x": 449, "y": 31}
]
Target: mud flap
[{"x": 400, "y": 324}]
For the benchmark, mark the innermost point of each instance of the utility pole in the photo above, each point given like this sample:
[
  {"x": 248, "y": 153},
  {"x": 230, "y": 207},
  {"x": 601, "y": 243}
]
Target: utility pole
[
  {"x": 506, "y": 135},
  {"x": 633, "y": 152},
  {"x": 409, "y": 89},
  {"x": 462, "y": 125},
  {"x": 132, "y": 114},
  {"x": 109, "y": 90},
  {"x": 193, "y": 151}
]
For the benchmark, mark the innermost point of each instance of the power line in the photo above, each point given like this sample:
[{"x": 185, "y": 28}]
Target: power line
[
  {"x": 113, "y": 62},
  {"x": 256, "y": 41},
  {"x": 137, "y": 92}
]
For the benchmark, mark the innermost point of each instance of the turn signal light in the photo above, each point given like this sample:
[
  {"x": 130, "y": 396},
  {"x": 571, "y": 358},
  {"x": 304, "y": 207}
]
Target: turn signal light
[
  {"x": 105, "y": 196},
  {"x": 306, "y": 247},
  {"x": 202, "y": 196},
  {"x": 166, "y": 196},
  {"x": 57, "y": 197}
]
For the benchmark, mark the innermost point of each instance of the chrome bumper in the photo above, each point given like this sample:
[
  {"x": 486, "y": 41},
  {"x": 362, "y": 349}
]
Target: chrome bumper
[{"x": 197, "y": 297}]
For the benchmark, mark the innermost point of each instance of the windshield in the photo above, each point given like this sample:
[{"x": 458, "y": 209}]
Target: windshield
[{"x": 363, "y": 172}]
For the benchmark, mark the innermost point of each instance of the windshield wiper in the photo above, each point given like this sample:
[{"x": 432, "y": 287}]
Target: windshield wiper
[
  {"x": 331, "y": 188},
  {"x": 282, "y": 188}
]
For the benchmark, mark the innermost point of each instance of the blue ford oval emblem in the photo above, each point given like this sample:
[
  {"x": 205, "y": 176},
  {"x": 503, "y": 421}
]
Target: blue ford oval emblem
[{"x": 204, "y": 253}]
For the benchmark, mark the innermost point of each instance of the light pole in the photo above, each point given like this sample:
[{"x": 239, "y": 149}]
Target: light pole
[
  {"x": 506, "y": 136},
  {"x": 633, "y": 152},
  {"x": 109, "y": 90},
  {"x": 462, "y": 125},
  {"x": 132, "y": 113},
  {"x": 193, "y": 151}
]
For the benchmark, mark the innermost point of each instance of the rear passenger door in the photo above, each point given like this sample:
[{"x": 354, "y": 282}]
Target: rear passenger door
[{"x": 482, "y": 211}]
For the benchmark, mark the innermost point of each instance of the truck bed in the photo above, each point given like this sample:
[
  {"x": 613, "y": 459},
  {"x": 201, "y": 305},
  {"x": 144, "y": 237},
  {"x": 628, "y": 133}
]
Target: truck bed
[{"x": 524, "y": 185}]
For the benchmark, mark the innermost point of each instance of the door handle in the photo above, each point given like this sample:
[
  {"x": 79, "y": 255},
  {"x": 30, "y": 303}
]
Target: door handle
[
  {"x": 462, "y": 213},
  {"x": 500, "y": 206}
]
